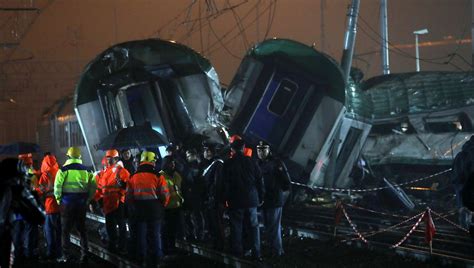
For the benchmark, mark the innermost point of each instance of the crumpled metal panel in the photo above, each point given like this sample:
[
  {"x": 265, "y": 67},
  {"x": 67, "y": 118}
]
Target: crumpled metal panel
[
  {"x": 414, "y": 149},
  {"x": 357, "y": 103},
  {"x": 396, "y": 95},
  {"x": 144, "y": 55}
]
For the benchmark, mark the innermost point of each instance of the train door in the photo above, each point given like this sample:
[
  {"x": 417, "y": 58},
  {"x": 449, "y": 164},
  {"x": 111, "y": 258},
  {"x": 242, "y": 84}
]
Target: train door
[
  {"x": 278, "y": 109},
  {"x": 137, "y": 104}
]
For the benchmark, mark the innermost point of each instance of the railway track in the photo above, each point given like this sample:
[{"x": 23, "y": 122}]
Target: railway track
[{"x": 450, "y": 244}]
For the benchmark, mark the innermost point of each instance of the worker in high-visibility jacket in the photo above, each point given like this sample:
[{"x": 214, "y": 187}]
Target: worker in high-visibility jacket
[
  {"x": 247, "y": 150},
  {"x": 147, "y": 196},
  {"x": 174, "y": 220},
  {"x": 74, "y": 188},
  {"x": 111, "y": 185},
  {"x": 52, "y": 225}
]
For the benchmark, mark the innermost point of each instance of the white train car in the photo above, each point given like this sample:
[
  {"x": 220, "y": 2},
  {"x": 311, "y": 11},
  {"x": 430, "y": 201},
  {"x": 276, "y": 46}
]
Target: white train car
[{"x": 60, "y": 130}]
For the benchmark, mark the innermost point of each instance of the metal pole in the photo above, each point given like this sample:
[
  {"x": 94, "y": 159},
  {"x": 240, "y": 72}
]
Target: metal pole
[
  {"x": 417, "y": 54},
  {"x": 349, "y": 39},
  {"x": 384, "y": 31}
]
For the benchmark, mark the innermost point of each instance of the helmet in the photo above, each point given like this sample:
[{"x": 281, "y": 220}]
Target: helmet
[
  {"x": 112, "y": 153},
  {"x": 148, "y": 157},
  {"x": 74, "y": 152},
  {"x": 234, "y": 138}
]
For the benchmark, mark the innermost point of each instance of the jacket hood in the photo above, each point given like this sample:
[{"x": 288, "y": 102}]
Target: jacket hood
[{"x": 49, "y": 163}]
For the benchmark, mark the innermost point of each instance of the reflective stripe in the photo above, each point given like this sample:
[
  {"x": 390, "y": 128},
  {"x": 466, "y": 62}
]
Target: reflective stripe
[
  {"x": 163, "y": 189},
  {"x": 72, "y": 190},
  {"x": 204, "y": 173},
  {"x": 73, "y": 183},
  {"x": 145, "y": 190},
  {"x": 145, "y": 197}
]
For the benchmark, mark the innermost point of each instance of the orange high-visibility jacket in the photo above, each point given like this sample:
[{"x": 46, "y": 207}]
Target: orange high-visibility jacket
[
  {"x": 247, "y": 152},
  {"x": 49, "y": 168},
  {"x": 111, "y": 186},
  {"x": 147, "y": 185}
]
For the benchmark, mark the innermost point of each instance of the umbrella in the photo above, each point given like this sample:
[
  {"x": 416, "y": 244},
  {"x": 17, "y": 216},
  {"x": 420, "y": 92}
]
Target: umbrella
[
  {"x": 132, "y": 137},
  {"x": 19, "y": 148}
]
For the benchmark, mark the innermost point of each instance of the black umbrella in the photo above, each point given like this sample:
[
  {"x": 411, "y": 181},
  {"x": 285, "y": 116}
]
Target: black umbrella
[
  {"x": 19, "y": 148},
  {"x": 132, "y": 137}
]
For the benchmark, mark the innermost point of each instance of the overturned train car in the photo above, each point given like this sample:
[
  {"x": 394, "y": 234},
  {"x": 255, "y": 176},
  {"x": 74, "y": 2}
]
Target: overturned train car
[
  {"x": 419, "y": 119},
  {"x": 161, "y": 82},
  {"x": 284, "y": 92},
  {"x": 292, "y": 96}
]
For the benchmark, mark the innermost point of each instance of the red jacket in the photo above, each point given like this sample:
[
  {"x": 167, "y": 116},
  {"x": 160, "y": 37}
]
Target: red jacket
[
  {"x": 49, "y": 168},
  {"x": 111, "y": 186}
]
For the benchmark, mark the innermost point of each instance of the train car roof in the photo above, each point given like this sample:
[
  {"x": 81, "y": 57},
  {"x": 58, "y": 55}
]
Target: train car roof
[
  {"x": 395, "y": 95},
  {"x": 136, "y": 59},
  {"x": 313, "y": 61}
]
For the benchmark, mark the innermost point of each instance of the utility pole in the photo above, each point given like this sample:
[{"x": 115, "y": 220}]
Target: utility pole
[
  {"x": 384, "y": 34},
  {"x": 349, "y": 38},
  {"x": 417, "y": 33}
]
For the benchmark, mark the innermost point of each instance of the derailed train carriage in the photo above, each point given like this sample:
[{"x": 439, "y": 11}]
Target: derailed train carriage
[
  {"x": 292, "y": 96},
  {"x": 420, "y": 123},
  {"x": 161, "y": 82},
  {"x": 284, "y": 92}
]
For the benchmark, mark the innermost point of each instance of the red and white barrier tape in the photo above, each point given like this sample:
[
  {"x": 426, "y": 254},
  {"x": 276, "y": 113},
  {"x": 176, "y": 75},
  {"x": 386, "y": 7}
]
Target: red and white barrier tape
[
  {"x": 396, "y": 226},
  {"x": 361, "y": 237},
  {"x": 411, "y": 231},
  {"x": 396, "y": 215},
  {"x": 449, "y": 221},
  {"x": 371, "y": 189}
]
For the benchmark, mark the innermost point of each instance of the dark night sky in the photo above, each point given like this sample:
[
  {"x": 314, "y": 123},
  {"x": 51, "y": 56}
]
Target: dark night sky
[{"x": 69, "y": 33}]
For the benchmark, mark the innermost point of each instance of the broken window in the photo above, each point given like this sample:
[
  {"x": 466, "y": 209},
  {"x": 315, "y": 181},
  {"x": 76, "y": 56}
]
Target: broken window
[{"x": 453, "y": 123}]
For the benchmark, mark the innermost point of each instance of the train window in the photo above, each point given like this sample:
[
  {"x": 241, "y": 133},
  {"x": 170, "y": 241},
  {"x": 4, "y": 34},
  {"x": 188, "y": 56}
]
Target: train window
[
  {"x": 352, "y": 137},
  {"x": 456, "y": 123},
  {"x": 282, "y": 98},
  {"x": 63, "y": 134},
  {"x": 443, "y": 127},
  {"x": 76, "y": 134},
  {"x": 391, "y": 128}
]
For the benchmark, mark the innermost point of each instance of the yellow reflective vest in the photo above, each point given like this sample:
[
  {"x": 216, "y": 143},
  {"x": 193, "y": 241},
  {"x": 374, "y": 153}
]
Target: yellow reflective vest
[
  {"x": 174, "y": 186},
  {"x": 74, "y": 178}
]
